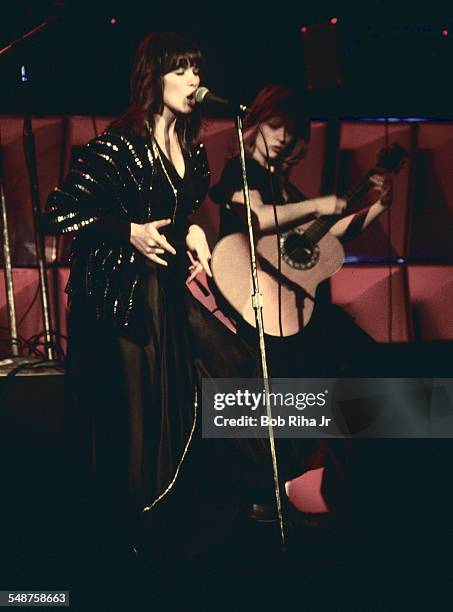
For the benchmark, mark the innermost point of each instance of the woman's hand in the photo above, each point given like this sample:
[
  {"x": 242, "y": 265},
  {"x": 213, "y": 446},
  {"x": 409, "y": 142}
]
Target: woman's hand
[
  {"x": 329, "y": 205},
  {"x": 149, "y": 242},
  {"x": 198, "y": 253},
  {"x": 384, "y": 185}
]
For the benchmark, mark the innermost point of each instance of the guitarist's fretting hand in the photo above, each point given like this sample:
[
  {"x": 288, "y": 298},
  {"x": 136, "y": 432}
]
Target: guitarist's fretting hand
[
  {"x": 329, "y": 205},
  {"x": 351, "y": 226},
  {"x": 384, "y": 186}
]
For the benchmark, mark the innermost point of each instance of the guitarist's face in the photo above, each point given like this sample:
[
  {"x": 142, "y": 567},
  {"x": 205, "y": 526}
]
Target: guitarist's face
[{"x": 277, "y": 137}]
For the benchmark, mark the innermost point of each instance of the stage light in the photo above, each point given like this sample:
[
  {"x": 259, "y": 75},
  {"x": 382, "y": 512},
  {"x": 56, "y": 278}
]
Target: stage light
[
  {"x": 303, "y": 29},
  {"x": 113, "y": 21},
  {"x": 445, "y": 32},
  {"x": 334, "y": 20}
]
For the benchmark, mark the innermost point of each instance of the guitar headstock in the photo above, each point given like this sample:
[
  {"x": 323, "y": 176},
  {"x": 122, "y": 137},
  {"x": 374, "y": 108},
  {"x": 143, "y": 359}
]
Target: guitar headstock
[{"x": 391, "y": 159}]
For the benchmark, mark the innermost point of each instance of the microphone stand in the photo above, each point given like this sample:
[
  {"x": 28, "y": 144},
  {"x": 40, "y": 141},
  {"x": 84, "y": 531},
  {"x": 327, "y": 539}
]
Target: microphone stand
[
  {"x": 8, "y": 272},
  {"x": 257, "y": 302},
  {"x": 30, "y": 156}
]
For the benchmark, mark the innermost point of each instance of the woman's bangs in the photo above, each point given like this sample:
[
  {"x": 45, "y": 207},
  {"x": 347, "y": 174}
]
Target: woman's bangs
[
  {"x": 186, "y": 59},
  {"x": 282, "y": 119}
]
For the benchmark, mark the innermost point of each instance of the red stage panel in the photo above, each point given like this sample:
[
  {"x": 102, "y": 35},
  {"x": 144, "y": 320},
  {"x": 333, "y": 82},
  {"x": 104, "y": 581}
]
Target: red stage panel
[
  {"x": 48, "y": 136},
  {"x": 363, "y": 292},
  {"x": 55, "y": 138},
  {"x": 304, "y": 492},
  {"x": 82, "y": 129},
  {"x": 360, "y": 144},
  {"x": 432, "y": 222},
  {"x": 201, "y": 292},
  {"x": 25, "y": 292},
  {"x": 431, "y": 294}
]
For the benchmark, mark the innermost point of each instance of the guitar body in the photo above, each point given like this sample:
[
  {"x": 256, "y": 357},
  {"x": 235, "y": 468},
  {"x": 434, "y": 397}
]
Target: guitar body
[
  {"x": 297, "y": 281},
  {"x": 309, "y": 255}
]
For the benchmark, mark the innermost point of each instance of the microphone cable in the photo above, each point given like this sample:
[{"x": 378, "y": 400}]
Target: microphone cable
[{"x": 277, "y": 230}]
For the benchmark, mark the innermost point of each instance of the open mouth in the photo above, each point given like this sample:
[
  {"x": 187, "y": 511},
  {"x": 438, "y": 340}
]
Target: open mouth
[{"x": 191, "y": 99}]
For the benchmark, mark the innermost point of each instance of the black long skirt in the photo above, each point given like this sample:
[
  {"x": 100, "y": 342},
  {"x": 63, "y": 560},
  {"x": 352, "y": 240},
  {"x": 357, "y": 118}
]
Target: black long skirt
[{"x": 132, "y": 419}]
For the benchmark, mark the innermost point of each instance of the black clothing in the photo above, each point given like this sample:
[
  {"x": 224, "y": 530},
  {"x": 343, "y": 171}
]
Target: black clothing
[
  {"x": 329, "y": 346},
  {"x": 315, "y": 351},
  {"x": 259, "y": 179},
  {"x": 139, "y": 343},
  {"x": 116, "y": 180}
]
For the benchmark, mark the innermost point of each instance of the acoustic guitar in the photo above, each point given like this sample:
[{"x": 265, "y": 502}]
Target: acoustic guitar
[{"x": 307, "y": 254}]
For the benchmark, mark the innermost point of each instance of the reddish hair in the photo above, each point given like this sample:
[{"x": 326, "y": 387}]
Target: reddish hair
[
  {"x": 157, "y": 55},
  {"x": 276, "y": 104}
]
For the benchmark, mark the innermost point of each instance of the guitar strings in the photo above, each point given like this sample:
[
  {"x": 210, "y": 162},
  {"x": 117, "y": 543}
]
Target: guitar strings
[
  {"x": 316, "y": 231},
  {"x": 320, "y": 227}
]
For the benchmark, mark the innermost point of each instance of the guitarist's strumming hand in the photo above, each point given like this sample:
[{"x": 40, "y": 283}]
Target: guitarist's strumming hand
[
  {"x": 384, "y": 186},
  {"x": 329, "y": 205}
]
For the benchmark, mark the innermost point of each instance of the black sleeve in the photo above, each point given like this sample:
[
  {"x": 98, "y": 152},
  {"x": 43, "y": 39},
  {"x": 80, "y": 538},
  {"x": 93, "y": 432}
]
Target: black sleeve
[
  {"x": 231, "y": 180},
  {"x": 91, "y": 197}
]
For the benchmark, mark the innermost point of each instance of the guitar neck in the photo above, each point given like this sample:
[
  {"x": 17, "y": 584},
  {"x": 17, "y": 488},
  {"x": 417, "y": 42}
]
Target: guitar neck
[{"x": 321, "y": 226}]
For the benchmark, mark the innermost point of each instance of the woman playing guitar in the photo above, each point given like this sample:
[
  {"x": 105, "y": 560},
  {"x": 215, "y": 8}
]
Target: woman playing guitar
[{"x": 276, "y": 135}]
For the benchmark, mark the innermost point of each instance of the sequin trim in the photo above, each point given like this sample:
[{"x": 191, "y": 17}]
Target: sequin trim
[
  {"x": 86, "y": 176},
  {"x": 115, "y": 165},
  {"x": 186, "y": 448},
  {"x": 109, "y": 254},
  {"x": 130, "y": 302},
  {"x": 84, "y": 189},
  {"x": 77, "y": 226}
]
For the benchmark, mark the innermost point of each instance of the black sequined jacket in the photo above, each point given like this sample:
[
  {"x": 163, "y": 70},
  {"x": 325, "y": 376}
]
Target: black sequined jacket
[{"x": 112, "y": 183}]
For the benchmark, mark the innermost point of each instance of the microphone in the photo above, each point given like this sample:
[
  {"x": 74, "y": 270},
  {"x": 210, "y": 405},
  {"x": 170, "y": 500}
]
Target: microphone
[{"x": 205, "y": 97}]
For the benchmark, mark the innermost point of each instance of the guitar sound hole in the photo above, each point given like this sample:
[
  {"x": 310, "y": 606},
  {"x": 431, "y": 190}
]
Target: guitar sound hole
[{"x": 298, "y": 251}]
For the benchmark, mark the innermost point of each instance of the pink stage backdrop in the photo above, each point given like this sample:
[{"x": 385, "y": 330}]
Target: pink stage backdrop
[{"x": 400, "y": 304}]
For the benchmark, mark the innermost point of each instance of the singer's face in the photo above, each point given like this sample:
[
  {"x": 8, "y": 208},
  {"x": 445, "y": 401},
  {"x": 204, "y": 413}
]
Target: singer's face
[
  {"x": 277, "y": 137},
  {"x": 179, "y": 87}
]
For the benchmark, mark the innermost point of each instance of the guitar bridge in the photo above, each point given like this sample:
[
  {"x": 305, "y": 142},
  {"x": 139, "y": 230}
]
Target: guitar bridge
[{"x": 298, "y": 251}]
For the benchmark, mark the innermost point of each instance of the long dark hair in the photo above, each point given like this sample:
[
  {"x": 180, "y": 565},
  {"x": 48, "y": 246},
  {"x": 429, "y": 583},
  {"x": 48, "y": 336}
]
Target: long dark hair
[
  {"x": 158, "y": 54},
  {"x": 278, "y": 104}
]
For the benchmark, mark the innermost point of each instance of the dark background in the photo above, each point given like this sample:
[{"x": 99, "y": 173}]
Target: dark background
[
  {"x": 393, "y": 57},
  {"x": 394, "y": 61}
]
